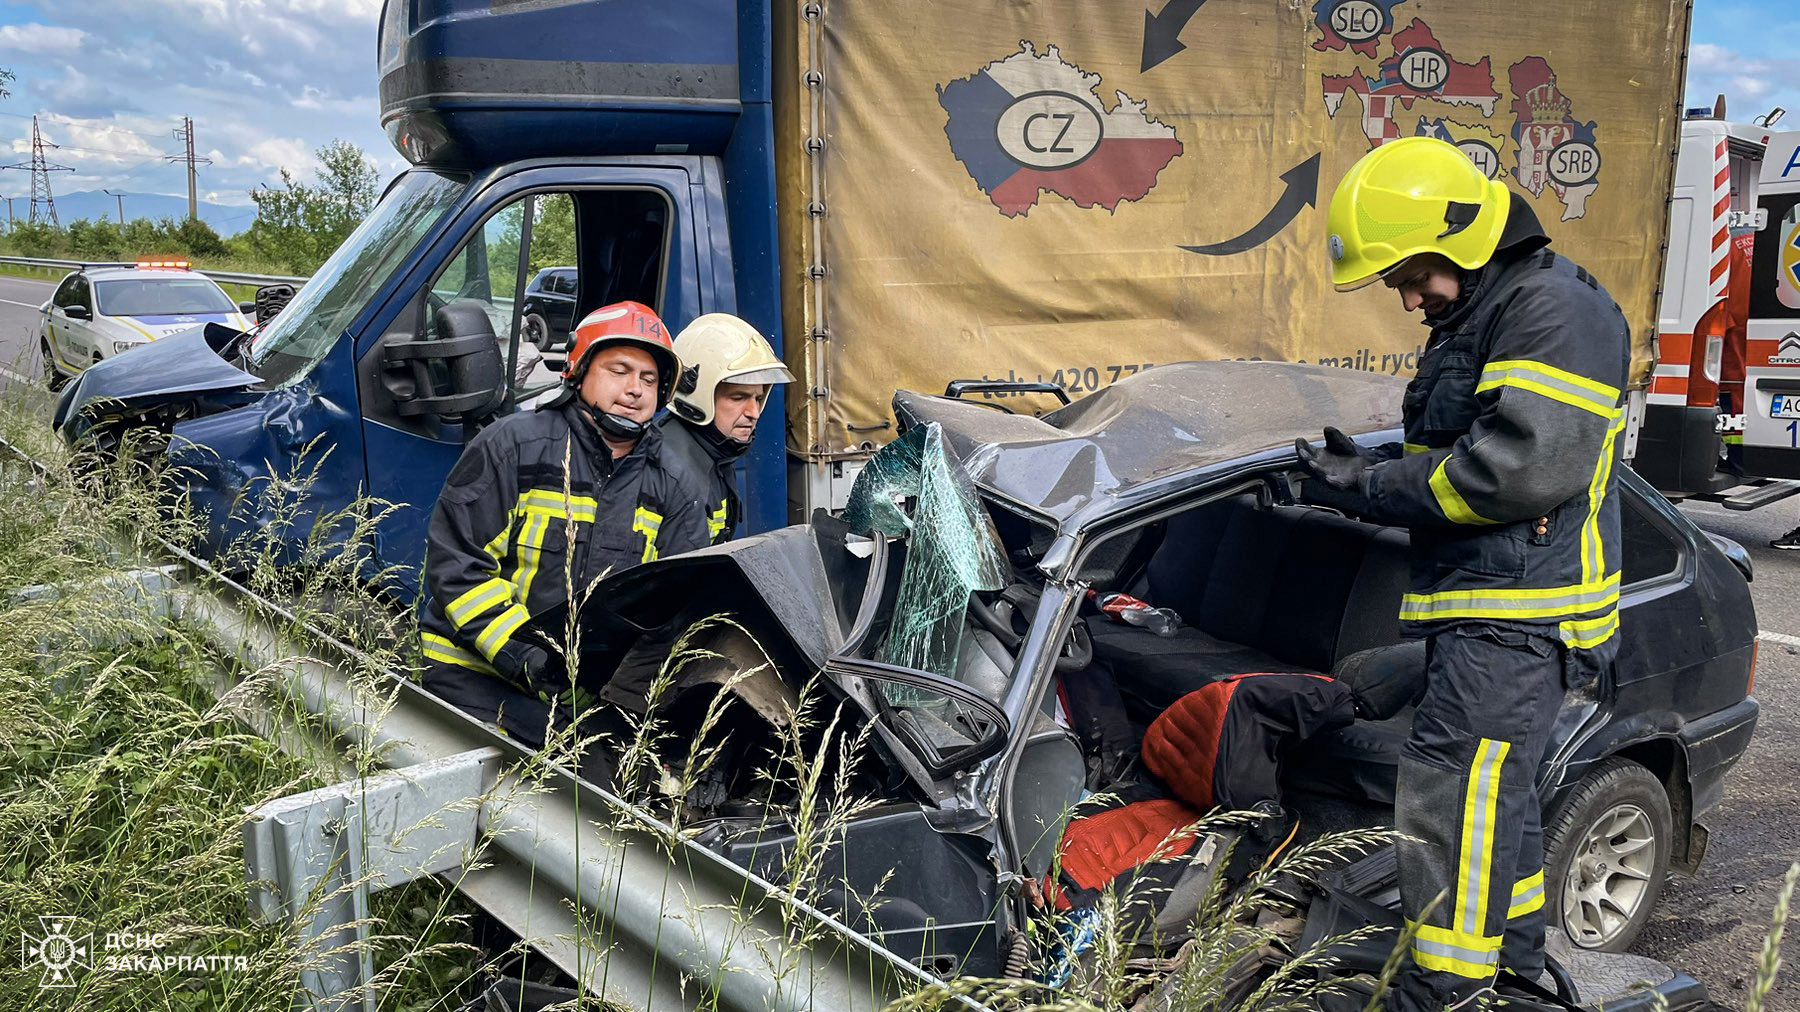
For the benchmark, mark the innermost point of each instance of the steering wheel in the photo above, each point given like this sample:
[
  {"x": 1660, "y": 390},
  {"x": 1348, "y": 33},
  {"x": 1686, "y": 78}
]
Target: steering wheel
[{"x": 1075, "y": 653}]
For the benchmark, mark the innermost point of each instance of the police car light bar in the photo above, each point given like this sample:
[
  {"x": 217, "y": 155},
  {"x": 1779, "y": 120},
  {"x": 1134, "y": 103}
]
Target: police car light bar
[{"x": 175, "y": 264}]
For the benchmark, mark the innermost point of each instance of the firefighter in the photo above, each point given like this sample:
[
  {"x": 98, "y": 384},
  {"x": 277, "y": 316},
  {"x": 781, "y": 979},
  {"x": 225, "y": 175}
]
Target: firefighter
[
  {"x": 545, "y": 501},
  {"x": 727, "y": 371},
  {"x": 1505, "y": 480}
]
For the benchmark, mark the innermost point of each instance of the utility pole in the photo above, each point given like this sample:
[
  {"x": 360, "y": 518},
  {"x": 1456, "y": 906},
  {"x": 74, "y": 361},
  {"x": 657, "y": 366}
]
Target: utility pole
[
  {"x": 9, "y": 217},
  {"x": 43, "y": 203},
  {"x": 120, "y": 197},
  {"x": 186, "y": 136}
]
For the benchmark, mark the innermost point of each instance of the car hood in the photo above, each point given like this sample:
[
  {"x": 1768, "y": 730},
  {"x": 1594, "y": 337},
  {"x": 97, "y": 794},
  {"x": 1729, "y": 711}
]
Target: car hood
[
  {"x": 161, "y": 327},
  {"x": 1158, "y": 423},
  {"x": 183, "y": 365}
]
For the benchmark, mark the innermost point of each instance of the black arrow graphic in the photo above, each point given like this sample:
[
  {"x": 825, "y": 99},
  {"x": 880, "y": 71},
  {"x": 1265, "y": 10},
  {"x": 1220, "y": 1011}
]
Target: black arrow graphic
[
  {"x": 1161, "y": 31},
  {"x": 1302, "y": 191}
]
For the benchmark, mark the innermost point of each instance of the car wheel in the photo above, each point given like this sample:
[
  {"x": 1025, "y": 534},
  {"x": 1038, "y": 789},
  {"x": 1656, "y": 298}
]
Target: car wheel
[
  {"x": 537, "y": 331},
  {"x": 1606, "y": 854},
  {"x": 52, "y": 378}
]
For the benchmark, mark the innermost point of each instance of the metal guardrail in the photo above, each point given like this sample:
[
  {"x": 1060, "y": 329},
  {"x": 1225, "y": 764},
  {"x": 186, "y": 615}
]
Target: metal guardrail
[
  {"x": 229, "y": 277},
  {"x": 602, "y": 888}
]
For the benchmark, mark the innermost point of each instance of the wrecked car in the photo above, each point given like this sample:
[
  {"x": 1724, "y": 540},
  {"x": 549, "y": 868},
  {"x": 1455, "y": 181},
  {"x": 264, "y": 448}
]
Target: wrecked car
[{"x": 949, "y": 625}]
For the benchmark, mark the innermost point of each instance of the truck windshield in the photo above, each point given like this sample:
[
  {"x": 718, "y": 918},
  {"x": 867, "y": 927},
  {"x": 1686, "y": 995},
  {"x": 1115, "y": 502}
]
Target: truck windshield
[{"x": 306, "y": 329}]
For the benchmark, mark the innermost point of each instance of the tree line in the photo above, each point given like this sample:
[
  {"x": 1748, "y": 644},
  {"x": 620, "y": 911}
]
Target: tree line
[{"x": 297, "y": 225}]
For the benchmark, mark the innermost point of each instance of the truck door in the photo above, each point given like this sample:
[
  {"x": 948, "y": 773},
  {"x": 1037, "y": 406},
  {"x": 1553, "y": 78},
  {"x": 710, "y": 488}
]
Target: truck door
[{"x": 627, "y": 233}]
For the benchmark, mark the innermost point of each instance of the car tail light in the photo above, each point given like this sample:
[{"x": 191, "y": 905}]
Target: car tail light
[
  {"x": 1707, "y": 356},
  {"x": 180, "y": 265}
]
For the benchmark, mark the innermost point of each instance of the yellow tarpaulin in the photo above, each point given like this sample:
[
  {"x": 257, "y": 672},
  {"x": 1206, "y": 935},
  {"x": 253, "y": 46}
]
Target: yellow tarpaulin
[{"x": 1072, "y": 191}]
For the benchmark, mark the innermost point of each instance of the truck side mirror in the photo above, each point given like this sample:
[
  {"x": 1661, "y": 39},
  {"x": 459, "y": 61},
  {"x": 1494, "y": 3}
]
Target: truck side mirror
[{"x": 459, "y": 376}]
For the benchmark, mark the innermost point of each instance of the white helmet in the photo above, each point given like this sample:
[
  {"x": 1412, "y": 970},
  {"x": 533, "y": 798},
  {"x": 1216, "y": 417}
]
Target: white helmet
[{"x": 720, "y": 348}]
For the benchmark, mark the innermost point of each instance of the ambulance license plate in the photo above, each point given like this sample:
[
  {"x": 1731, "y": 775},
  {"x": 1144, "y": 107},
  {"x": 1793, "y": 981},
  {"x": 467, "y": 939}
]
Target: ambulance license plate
[{"x": 1784, "y": 406}]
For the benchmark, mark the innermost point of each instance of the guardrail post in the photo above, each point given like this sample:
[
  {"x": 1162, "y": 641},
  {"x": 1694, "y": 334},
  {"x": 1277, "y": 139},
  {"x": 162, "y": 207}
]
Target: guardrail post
[{"x": 317, "y": 857}]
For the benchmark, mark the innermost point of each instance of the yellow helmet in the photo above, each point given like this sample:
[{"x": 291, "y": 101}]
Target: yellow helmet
[
  {"x": 1413, "y": 195},
  {"x": 720, "y": 348}
]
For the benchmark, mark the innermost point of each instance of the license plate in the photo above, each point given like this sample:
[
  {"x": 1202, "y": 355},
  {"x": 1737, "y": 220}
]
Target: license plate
[{"x": 1784, "y": 406}]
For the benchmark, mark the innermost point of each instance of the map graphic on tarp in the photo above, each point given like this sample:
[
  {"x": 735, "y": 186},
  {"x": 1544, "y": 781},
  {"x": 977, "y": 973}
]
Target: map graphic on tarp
[
  {"x": 1550, "y": 149},
  {"x": 1033, "y": 123}
]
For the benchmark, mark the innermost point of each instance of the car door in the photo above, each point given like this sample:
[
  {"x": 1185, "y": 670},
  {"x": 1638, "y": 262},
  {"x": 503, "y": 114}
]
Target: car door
[
  {"x": 77, "y": 342},
  {"x": 487, "y": 257}
]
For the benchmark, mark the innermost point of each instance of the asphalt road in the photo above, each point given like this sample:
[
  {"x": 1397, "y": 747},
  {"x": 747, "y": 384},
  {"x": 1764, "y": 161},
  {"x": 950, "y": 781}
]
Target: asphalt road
[
  {"x": 19, "y": 301},
  {"x": 1711, "y": 925}
]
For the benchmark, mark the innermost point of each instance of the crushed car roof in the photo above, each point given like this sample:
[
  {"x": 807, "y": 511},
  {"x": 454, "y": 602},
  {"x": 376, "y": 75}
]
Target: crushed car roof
[{"x": 1160, "y": 422}]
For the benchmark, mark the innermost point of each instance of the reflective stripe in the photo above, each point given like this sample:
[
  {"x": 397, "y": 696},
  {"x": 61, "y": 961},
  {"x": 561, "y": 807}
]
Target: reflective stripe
[
  {"x": 1587, "y": 633},
  {"x": 438, "y": 648},
  {"x": 1449, "y": 500},
  {"x": 1593, "y": 550},
  {"x": 715, "y": 521},
  {"x": 485, "y": 595},
  {"x": 1527, "y": 895},
  {"x": 1535, "y": 602},
  {"x": 1479, "y": 804},
  {"x": 543, "y": 502},
  {"x": 1549, "y": 381},
  {"x": 500, "y": 630},
  {"x": 539, "y": 508},
  {"x": 530, "y": 549},
  {"x": 1473, "y": 956},
  {"x": 647, "y": 522},
  {"x": 1413, "y": 448}
]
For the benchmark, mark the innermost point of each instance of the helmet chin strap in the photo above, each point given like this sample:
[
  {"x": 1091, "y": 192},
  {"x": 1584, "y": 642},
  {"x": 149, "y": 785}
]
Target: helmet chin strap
[{"x": 615, "y": 427}]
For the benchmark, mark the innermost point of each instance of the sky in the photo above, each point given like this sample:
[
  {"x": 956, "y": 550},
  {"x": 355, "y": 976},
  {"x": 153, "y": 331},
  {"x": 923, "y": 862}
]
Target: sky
[{"x": 269, "y": 81}]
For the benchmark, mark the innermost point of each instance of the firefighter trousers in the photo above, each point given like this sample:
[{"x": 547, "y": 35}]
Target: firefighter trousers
[{"x": 1472, "y": 877}]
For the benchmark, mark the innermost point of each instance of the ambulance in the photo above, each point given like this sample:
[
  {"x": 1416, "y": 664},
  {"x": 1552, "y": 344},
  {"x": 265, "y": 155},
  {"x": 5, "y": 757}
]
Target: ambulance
[{"x": 1720, "y": 420}]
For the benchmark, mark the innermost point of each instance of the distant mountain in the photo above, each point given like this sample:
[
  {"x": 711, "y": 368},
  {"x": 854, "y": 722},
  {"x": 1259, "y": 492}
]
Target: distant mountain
[{"x": 225, "y": 219}]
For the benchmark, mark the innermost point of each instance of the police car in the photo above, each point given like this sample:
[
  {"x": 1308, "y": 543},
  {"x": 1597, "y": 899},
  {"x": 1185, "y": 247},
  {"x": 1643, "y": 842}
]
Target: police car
[{"x": 104, "y": 310}]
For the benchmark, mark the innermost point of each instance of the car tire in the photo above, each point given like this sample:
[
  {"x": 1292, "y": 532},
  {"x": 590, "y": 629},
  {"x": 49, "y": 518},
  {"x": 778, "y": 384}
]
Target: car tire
[
  {"x": 54, "y": 379},
  {"x": 536, "y": 330},
  {"x": 1606, "y": 854}
]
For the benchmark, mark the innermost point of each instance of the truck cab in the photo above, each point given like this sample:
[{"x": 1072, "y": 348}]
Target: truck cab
[{"x": 648, "y": 167}]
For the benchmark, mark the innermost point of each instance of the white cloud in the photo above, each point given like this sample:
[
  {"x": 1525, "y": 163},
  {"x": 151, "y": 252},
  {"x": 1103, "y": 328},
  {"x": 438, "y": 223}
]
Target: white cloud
[{"x": 43, "y": 39}]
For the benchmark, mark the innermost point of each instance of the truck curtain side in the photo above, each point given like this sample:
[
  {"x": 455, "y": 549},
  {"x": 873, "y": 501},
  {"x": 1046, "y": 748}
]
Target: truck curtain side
[{"x": 1071, "y": 192}]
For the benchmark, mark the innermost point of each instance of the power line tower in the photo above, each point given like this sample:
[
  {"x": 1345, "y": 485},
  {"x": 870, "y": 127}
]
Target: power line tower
[
  {"x": 43, "y": 203},
  {"x": 186, "y": 136}
]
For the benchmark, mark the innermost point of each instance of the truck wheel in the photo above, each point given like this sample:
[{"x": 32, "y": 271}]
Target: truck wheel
[
  {"x": 52, "y": 378},
  {"x": 537, "y": 331},
  {"x": 1606, "y": 854}
]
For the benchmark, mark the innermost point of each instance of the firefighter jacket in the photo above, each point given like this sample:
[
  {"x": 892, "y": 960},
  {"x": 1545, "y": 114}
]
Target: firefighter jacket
[
  {"x": 707, "y": 456},
  {"x": 1512, "y": 429},
  {"x": 536, "y": 505}
]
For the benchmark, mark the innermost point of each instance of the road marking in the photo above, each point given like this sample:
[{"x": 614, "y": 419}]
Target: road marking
[
  {"x": 21, "y": 378},
  {"x": 27, "y": 305},
  {"x": 1782, "y": 638}
]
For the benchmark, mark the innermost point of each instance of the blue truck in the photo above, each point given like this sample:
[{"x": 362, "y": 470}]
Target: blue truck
[{"x": 898, "y": 196}]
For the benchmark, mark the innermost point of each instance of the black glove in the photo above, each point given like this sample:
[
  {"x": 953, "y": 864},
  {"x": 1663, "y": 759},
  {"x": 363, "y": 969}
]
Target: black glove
[
  {"x": 1337, "y": 442},
  {"x": 532, "y": 668},
  {"x": 1340, "y": 465}
]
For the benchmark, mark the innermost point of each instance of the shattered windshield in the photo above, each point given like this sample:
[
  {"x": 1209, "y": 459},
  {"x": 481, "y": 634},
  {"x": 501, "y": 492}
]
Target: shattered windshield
[
  {"x": 307, "y": 327},
  {"x": 952, "y": 549}
]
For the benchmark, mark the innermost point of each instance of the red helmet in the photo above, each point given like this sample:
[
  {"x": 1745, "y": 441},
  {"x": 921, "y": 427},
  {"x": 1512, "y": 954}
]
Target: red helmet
[{"x": 630, "y": 323}]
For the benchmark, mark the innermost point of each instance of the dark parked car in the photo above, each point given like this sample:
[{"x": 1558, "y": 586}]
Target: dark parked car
[
  {"x": 549, "y": 310},
  {"x": 1177, "y": 485}
]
